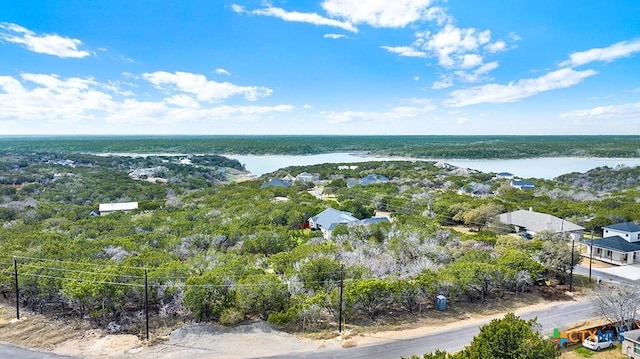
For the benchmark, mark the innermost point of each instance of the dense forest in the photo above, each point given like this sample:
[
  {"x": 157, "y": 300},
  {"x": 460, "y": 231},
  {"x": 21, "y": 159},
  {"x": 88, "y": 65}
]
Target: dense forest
[
  {"x": 429, "y": 147},
  {"x": 213, "y": 248}
]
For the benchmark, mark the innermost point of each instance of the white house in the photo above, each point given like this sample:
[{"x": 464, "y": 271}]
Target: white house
[
  {"x": 631, "y": 344},
  {"x": 620, "y": 244},
  {"x": 106, "y": 208}
]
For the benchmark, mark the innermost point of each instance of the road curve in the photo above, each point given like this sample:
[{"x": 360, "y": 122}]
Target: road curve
[{"x": 453, "y": 339}]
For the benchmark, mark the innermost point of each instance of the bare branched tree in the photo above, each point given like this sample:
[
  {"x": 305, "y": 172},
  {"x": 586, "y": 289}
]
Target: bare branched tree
[{"x": 617, "y": 303}]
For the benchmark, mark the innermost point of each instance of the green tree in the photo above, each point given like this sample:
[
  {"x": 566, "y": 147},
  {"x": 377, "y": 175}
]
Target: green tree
[
  {"x": 481, "y": 216},
  {"x": 509, "y": 338},
  {"x": 261, "y": 294}
]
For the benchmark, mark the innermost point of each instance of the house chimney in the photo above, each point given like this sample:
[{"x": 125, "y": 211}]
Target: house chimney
[{"x": 530, "y": 209}]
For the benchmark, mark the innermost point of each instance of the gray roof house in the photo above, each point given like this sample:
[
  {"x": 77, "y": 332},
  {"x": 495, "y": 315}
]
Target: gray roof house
[
  {"x": 327, "y": 220},
  {"x": 276, "y": 182},
  {"x": 369, "y": 179},
  {"x": 620, "y": 244},
  {"x": 305, "y": 177},
  {"x": 631, "y": 344},
  {"x": 532, "y": 222},
  {"x": 519, "y": 184},
  {"x": 504, "y": 175}
]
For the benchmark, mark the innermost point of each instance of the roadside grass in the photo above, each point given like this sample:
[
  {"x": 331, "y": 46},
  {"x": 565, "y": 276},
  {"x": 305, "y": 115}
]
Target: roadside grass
[
  {"x": 34, "y": 330},
  {"x": 582, "y": 352}
]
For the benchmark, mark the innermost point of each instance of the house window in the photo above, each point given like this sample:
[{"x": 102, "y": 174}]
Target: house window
[
  {"x": 607, "y": 253},
  {"x": 598, "y": 250},
  {"x": 636, "y": 348}
]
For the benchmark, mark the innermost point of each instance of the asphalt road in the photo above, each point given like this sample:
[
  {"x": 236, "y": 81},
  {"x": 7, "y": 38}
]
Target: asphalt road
[
  {"x": 557, "y": 315},
  {"x": 10, "y": 351}
]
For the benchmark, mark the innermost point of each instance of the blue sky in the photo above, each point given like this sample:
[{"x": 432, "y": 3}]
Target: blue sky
[{"x": 388, "y": 67}]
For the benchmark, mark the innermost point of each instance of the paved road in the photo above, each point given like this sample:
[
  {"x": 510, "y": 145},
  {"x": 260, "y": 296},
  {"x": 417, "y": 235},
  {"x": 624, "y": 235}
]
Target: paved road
[
  {"x": 595, "y": 274},
  {"x": 454, "y": 339},
  {"x": 10, "y": 351}
]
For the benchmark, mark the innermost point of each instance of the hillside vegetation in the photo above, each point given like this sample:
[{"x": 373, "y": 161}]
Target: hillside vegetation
[{"x": 212, "y": 249}]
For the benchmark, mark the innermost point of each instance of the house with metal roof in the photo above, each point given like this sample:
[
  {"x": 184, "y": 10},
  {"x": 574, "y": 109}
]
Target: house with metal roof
[
  {"x": 504, "y": 175},
  {"x": 276, "y": 182},
  {"x": 106, "y": 208},
  {"x": 519, "y": 184},
  {"x": 620, "y": 244},
  {"x": 305, "y": 177},
  {"x": 369, "y": 179},
  {"x": 533, "y": 222},
  {"x": 327, "y": 220}
]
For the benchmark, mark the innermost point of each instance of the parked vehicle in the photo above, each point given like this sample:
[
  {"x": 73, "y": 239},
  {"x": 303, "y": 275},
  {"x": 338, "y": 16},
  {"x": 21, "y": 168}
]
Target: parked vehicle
[{"x": 593, "y": 344}]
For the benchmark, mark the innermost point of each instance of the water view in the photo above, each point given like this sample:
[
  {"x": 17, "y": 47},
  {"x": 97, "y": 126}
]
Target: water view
[{"x": 545, "y": 168}]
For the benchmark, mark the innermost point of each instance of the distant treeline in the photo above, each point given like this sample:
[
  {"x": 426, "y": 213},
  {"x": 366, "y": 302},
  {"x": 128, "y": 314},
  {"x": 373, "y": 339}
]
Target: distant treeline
[{"x": 472, "y": 147}]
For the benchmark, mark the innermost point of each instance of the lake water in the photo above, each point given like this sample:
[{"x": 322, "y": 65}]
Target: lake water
[{"x": 546, "y": 168}]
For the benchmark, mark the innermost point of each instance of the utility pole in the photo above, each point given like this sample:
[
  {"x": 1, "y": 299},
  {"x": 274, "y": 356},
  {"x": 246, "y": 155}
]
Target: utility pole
[
  {"x": 15, "y": 274},
  {"x": 146, "y": 303},
  {"x": 340, "y": 308},
  {"x": 590, "y": 255},
  {"x": 573, "y": 243}
]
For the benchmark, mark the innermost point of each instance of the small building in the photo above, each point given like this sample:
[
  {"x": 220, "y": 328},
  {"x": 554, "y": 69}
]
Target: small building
[
  {"x": 519, "y": 184},
  {"x": 305, "y": 177},
  {"x": 276, "y": 182},
  {"x": 369, "y": 179},
  {"x": 504, "y": 175},
  {"x": 106, "y": 208},
  {"x": 631, "y": 344},
  {"x": 619, "y": 245},
  {"x": 533, "y": 222}
]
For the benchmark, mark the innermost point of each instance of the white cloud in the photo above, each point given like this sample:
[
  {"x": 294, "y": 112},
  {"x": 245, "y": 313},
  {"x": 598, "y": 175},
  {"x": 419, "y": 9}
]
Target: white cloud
[
  {"x": 606, "y": 54},
  {"x": 414, "y": 109},
  {"x": 335, "y": 36},
  {"x": 443, "y": 83},
  {"x": 416, "y": 78},
  {"x": 438, "y": 15},
  {"x": 237, "y": 8},
  {"x": 624, "y": 111},
  {"x": 496, "y": 46},
  {"x": 49, "y": 44},
  {"x": 378, "y": 13},
  {"x": 471, "y": 60},
  {"x": 73, "y": 103},
  {"x": 514, "y": 91},
  {"x": 201, "y": 88},
  {"x": 515, "y": 37},
  {"x": 221, "y": 71},
  {"x": 405, "y": 51},
  {"x": 452, "y": 43},
  {"x": 311, "y": 18},
  {"x": 306, "y": 106},
  {"x": 477, "y": 74}
]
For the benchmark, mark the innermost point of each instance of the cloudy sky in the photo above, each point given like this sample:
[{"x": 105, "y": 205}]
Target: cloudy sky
[{"x": 426, "y": 67}]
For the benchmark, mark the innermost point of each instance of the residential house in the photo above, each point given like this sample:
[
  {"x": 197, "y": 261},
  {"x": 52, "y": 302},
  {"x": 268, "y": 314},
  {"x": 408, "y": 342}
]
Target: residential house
[
  {"x": 276, "y": 182},
  {"x": 504, "y": 175},
  {"x": 330, "y": 218},
  {"x": 631, "y": 344},
  {"x": 305, "y": 177},
  {"x": 519, "y": 184},
  {"x": 327, "y": 220},
  {"x": 620, "y": 244},
  {"x": 533, "y": 222},
  {"x": 106, "y": 208},
  {"x": 369, "y": 179}
]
